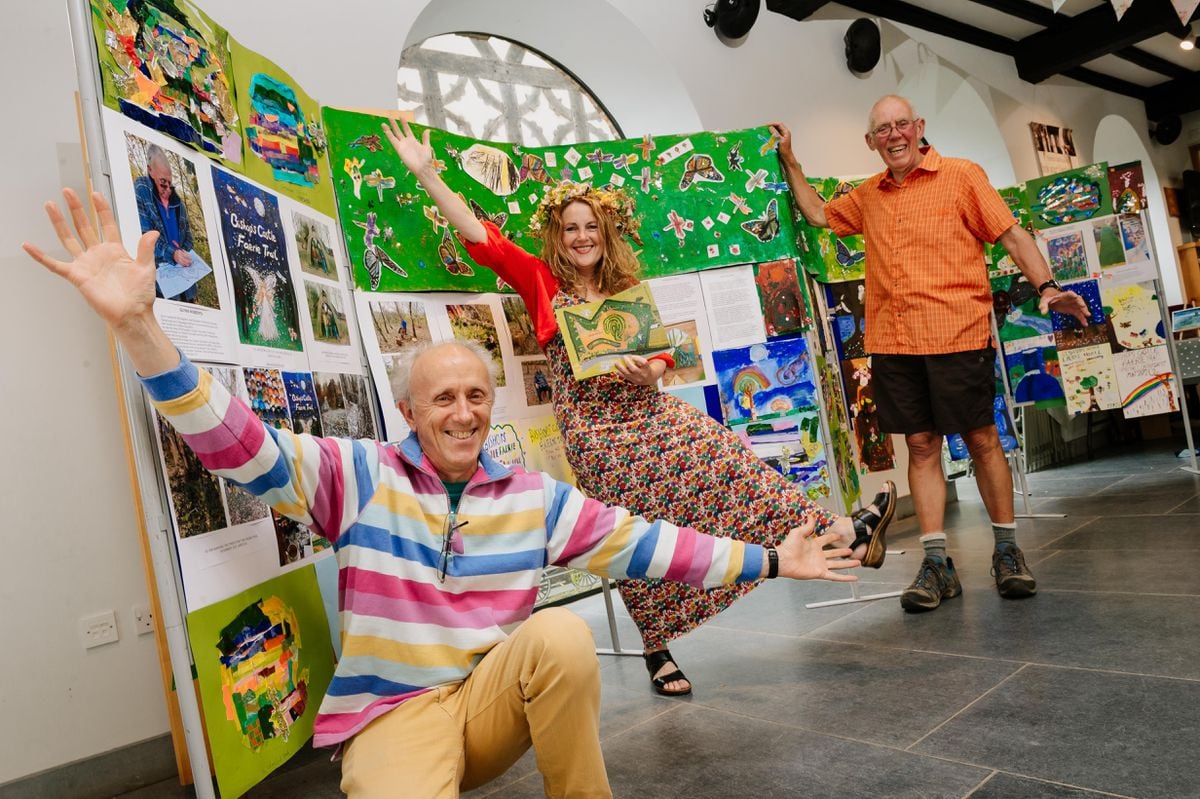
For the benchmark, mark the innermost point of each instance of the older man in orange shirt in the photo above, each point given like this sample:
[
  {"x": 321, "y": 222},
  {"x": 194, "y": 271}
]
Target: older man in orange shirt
[{"x": 925, "y": 219}]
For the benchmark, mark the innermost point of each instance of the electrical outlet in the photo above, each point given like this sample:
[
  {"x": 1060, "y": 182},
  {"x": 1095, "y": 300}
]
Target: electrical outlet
[
  {"x": 98, "y": 629},
  {"x": 143, "y": 619}
]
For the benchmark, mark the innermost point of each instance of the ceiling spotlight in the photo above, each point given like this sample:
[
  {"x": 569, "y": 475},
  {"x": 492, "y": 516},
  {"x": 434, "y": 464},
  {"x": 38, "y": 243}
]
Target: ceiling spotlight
[{"x": 1187, "y": 41}]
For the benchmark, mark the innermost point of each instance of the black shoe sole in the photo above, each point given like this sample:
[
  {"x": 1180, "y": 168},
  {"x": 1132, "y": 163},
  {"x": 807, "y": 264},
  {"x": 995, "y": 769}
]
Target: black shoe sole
[
  {"x": 1017, "y": 591},
  {"x": 913, "y": 607},
  {"x": 877, "y": 546}
]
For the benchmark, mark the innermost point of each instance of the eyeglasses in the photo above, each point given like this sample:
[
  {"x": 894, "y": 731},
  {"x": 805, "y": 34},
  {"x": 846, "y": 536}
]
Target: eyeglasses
[
  {"x": 900, "y": 126},
  {"x": 449, "y": 544}
]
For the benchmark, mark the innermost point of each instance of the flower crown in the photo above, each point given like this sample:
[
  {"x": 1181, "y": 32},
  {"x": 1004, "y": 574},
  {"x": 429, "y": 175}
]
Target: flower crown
[{"x": 613, "y": 200}]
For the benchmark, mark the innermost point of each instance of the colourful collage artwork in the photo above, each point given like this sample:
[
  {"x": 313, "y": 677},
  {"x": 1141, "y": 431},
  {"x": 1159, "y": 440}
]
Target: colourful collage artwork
[
  {"x": 284, "y": 139},
  {"x": 702, "y": 201},
  {"x": 263, "y": 659},
  {"x": 1068, "y": 197},
  {"x": 166, "y": 64}
]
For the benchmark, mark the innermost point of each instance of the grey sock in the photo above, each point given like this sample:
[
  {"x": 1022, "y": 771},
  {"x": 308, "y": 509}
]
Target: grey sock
[
  {"x": 1006, "y": 535},
  {"x": 935, "y": 546}
]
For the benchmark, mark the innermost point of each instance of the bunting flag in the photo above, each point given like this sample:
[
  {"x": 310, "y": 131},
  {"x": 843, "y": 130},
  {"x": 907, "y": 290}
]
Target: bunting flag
[
  {"x": 1185, "y": 9},
  {"x": 1057, "y": 4},
  {"x": 1121, "y": 6}
]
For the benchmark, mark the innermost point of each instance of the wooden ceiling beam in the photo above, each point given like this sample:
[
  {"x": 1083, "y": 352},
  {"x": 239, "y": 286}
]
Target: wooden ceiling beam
[
  {"x": 796, "y": 9},
  {"x": 1090, "y": 35},
  {"x": 909, "y": 14},
  {"x": 1173, "y": 97}
]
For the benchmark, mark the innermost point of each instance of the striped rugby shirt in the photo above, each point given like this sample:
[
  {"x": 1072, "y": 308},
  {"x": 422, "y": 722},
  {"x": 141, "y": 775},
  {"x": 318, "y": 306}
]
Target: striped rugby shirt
[{"x": 384, "y": 508}]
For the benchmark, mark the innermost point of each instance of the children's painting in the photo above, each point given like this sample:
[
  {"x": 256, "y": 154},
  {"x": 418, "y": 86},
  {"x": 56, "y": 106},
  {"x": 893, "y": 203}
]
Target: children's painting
[
  {"x": 399, "y": 324},
  {"x": 1108, "y": 242},
  {"x": 839, "y": 433},
  {"x": 285, "y": 141},
  {"x": 1067, "y": 197},
  {"x": 599, "y": 334},
  {"x": 1134, "y": 316},
  {"x": 1067, "y": 256},
  {"x": 1018, "y": 309},
  {"x": 1089, "y": 379},
  {"x": 874, "y": 446},
  {"x": 1127, "y": 187},
  {"x": 327, "y": 313},
  {"x": 1089, "y": 290},
  {"x": 168, "y": 202},
  {"x": 684, "y": 338},
  {"x": 1033, "y": 371},
  {"x": 314, "y": 245},
  {"x": 765, "y": 381},
  {"x": 696, "y": 201},
  {"x": 784, "y": 301},
  {"x": 164, "y": 64},
  {"x": 846, "y": 303},
  {"x": 476, "y": 322},
  {"x": 1146, "y": 381},
  {"x": 791, "y": 445},
  {"x": 1133, "y": 238},
  {"x": 263, "y": 659},
  {"x": 254, "y": 246},
  {"x": 828, "y": 258}
]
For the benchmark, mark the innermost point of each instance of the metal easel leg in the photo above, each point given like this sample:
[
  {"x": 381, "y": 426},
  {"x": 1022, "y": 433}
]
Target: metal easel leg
[
  {"x": 854, "y": 598},
  {"x": 1018, "y": 468},
  {"x": 606, "y": 590}
]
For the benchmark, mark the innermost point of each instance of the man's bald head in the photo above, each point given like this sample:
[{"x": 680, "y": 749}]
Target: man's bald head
[{"x": 886, "y": 107}]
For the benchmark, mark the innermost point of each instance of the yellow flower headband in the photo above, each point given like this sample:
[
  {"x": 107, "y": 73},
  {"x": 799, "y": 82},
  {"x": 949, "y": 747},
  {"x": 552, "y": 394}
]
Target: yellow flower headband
[{"x": 613, "y": 200}]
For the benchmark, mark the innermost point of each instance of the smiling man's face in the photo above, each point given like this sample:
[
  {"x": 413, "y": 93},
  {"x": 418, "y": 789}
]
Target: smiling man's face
[
  {"x": 450, "y": 409},
  {"x": 896, "y": 134}
]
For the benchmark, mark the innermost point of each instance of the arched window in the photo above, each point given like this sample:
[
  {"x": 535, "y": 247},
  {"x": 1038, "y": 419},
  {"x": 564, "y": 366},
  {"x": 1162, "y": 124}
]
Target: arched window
[{"x": 491, "y": 88}]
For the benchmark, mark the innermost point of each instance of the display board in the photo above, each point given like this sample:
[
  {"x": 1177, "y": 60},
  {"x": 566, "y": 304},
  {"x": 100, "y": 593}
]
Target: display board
[
  {"x": 273, "y": 209},
  {"x": 1090, "y": 225}
]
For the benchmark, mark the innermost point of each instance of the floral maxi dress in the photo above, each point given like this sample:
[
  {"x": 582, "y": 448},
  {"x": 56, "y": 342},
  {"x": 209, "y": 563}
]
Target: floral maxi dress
[{"x": 639, "y": 448}]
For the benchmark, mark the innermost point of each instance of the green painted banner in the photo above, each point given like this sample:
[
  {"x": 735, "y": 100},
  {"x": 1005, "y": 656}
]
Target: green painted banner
[{"x": 703, "y": 200}]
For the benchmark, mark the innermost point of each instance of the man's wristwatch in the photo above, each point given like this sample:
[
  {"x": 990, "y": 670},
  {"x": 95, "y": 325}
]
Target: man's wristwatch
[
  {"x": 1049, "y": 284},
  {"x": 772, "y": 561}
]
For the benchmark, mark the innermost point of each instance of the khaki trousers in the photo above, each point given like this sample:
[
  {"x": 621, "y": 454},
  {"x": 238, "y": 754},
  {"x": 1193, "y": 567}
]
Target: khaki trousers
[{"x": 541, "y": 687}]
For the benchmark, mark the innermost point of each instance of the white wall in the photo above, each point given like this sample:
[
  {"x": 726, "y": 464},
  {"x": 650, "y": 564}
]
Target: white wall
[{"x": 68, "y": 530}]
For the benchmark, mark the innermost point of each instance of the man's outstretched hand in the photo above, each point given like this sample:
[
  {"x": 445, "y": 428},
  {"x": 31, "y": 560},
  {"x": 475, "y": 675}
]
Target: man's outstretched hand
[
  {"x": 802, "y": 556},
  {"x": 118, "y": 287}
]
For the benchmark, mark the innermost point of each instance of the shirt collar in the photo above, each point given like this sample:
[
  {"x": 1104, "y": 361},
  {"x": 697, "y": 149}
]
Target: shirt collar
[
  {"x": 931, "y": 161},
  {"x": 489, "y": 468}
]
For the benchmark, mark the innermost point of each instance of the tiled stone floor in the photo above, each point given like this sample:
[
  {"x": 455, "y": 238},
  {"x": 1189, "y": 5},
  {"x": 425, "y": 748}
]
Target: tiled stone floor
[{"x": 1089, "y": 689}]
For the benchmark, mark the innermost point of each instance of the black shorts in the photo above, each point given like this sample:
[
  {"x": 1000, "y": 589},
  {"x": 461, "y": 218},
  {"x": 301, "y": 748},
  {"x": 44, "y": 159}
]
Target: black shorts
[{"x": 949, "y": 393}]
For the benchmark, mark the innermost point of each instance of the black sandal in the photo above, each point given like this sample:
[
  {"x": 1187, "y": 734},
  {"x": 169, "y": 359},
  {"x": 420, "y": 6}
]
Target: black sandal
[
  {"x": 654, "y": 662},
  {"x": 870, "y": 528}
]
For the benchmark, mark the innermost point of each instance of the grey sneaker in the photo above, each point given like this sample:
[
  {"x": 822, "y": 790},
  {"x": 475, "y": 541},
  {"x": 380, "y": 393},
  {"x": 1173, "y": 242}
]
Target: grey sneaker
[
  {"x": 1013, "y": 579},
  {"x": 935, "y": 582}
]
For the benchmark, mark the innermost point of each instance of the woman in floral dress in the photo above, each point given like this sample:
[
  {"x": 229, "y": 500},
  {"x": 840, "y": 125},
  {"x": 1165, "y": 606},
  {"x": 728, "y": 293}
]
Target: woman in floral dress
[{"x": 629, "y": 443}]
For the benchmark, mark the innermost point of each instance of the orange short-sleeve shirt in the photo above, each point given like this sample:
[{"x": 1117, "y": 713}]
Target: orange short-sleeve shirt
[{"x": 927, "y": 289}]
